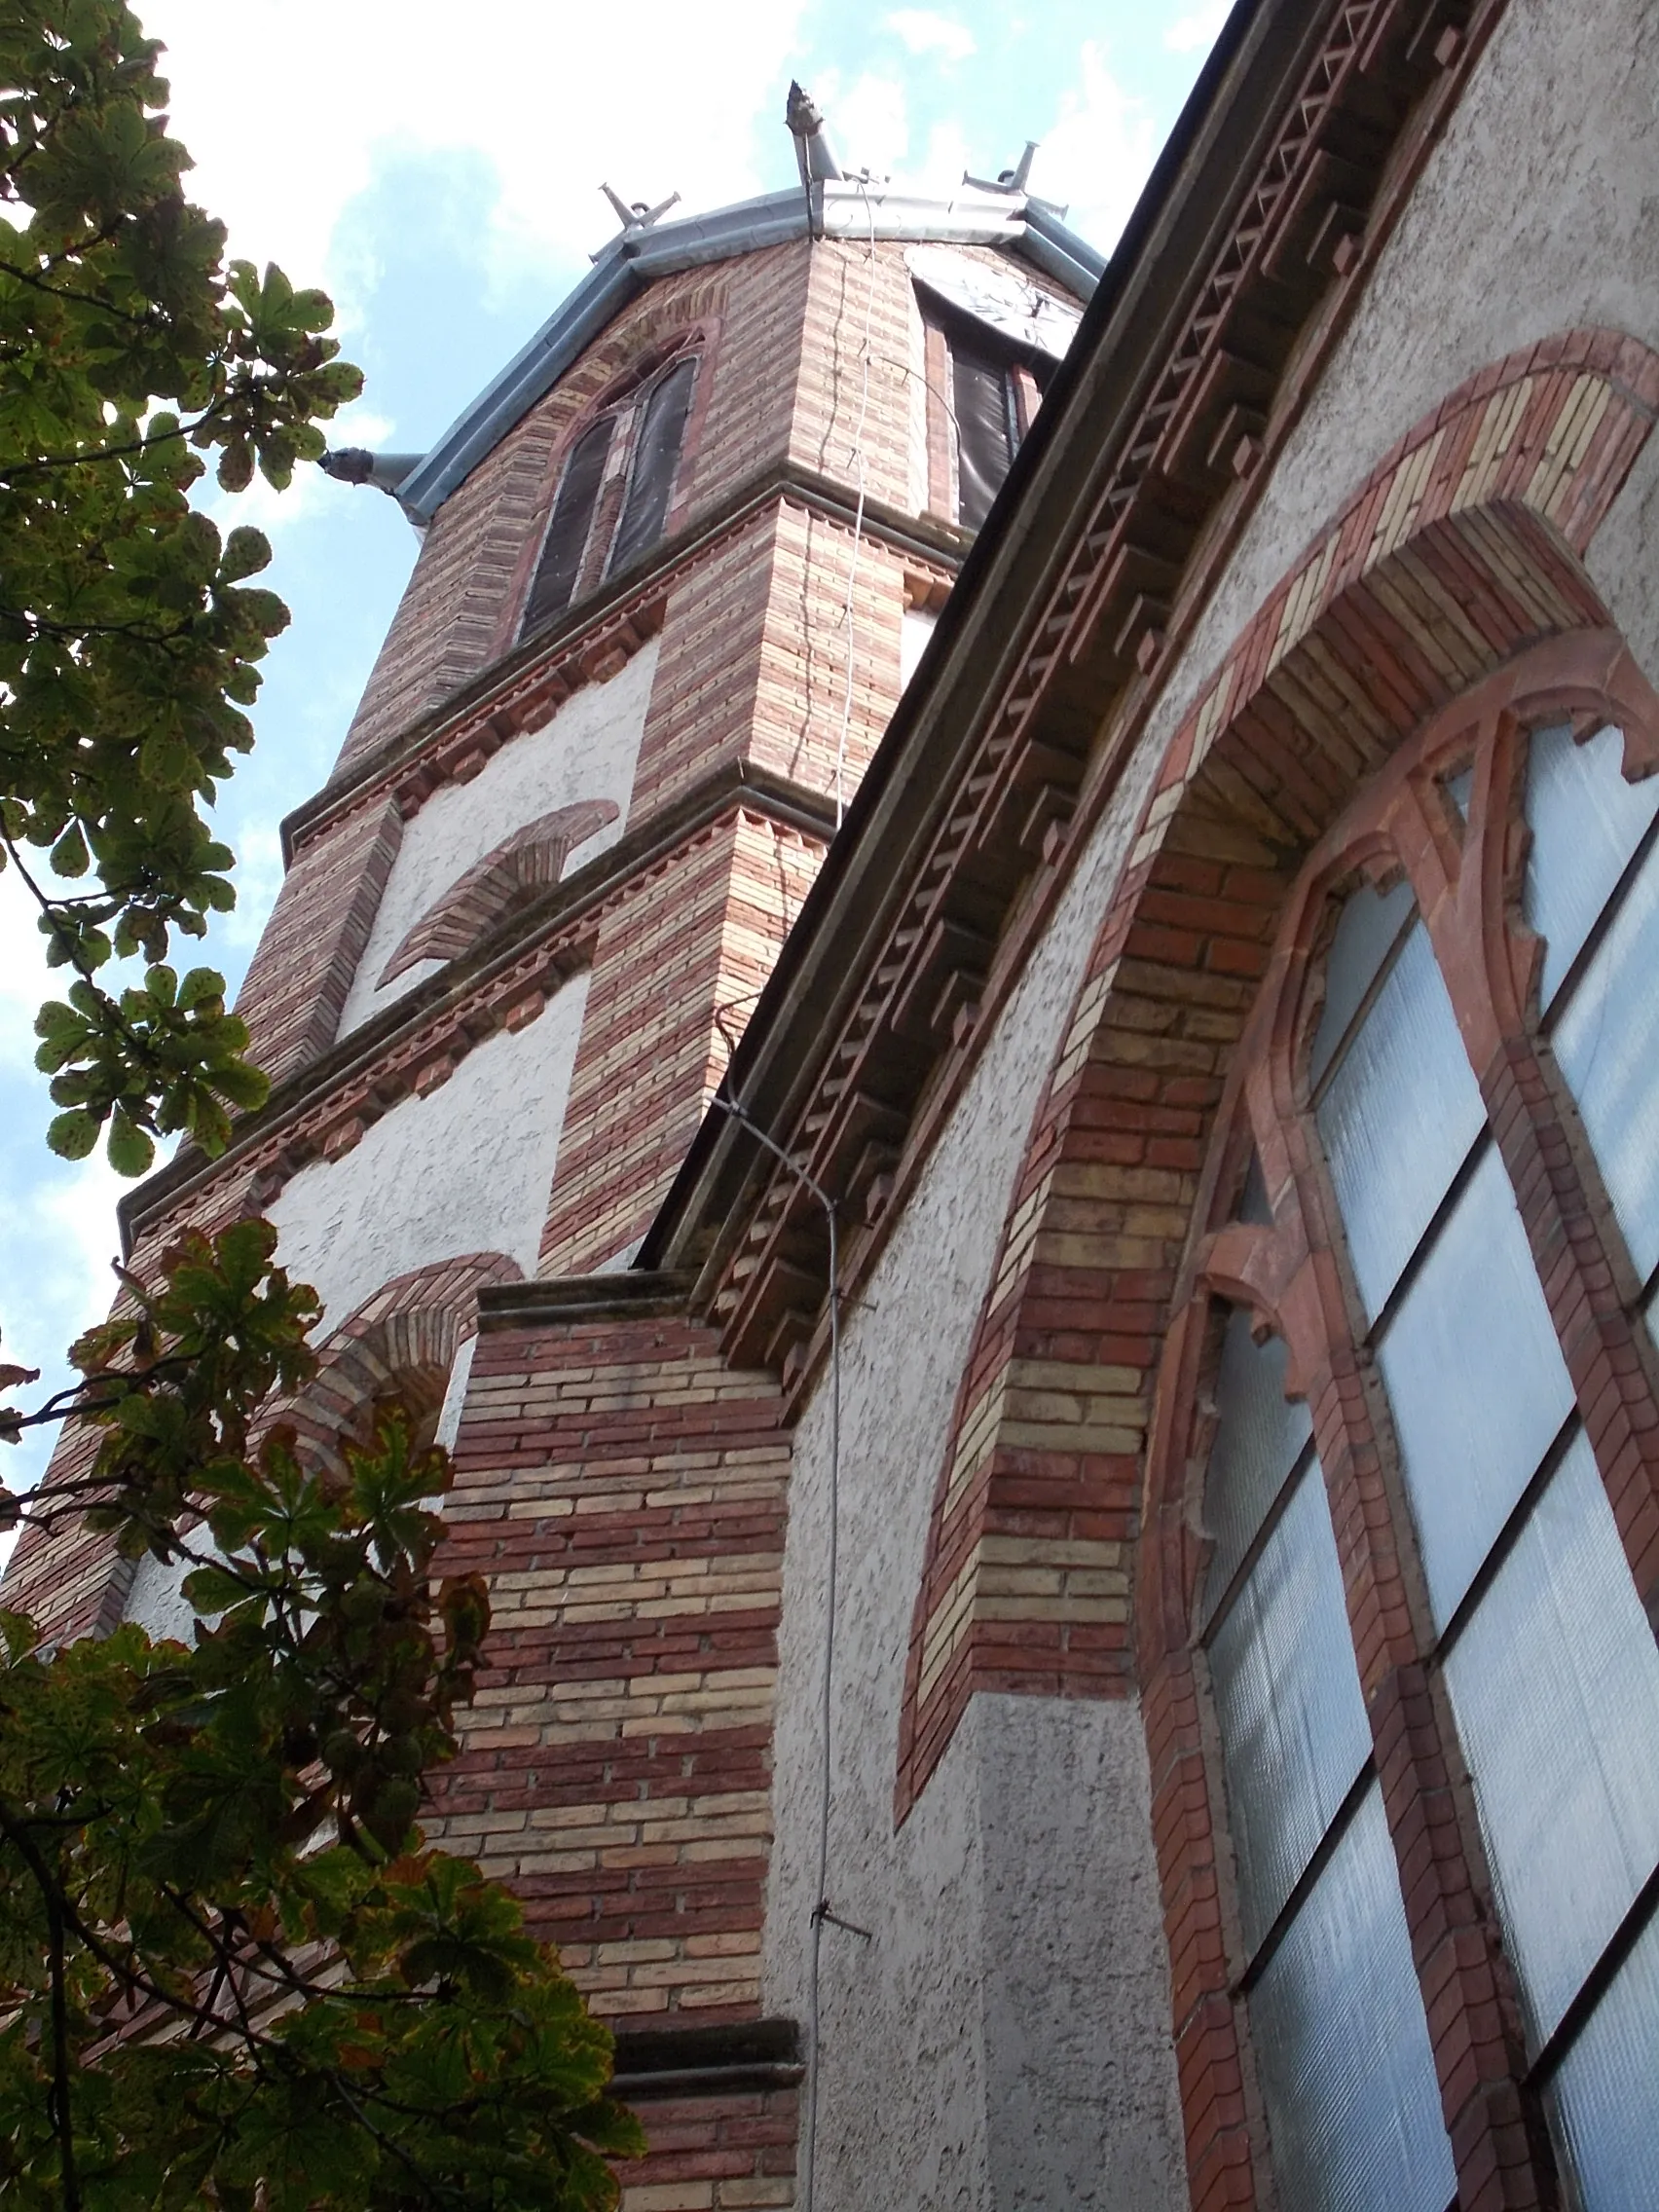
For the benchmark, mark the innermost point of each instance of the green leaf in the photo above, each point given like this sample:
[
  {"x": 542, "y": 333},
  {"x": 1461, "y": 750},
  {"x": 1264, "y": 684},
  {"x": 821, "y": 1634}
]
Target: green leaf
[
  {"x": 69, "y": 856},
  {"x": 72, "y": 1135},
  {"x": 131, "y": 1151}
]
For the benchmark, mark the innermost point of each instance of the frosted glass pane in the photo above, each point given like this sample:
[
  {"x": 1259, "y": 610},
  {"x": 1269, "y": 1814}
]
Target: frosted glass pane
[
  {"x": 1475, "y": 1382},
  {"x": 1287, "y": 1697},
  {"x": 1604, "y": 2099},
  {"x": 1400, "y": 1115},
  {"x": 1352, "y": 2102},
  {"x": 1555, "y": 1683},
  {"x": 1608, "y": 1043},
  {"x": 1586, "y": 822},
  {"x": 1370, "y": 921},
  {"x": 1460, "y": 788},
  {"x": 1258, "y": 1436}
]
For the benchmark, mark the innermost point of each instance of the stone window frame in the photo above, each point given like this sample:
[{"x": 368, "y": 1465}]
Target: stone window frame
[
  {"x": 624, "y": 403},
  {"x": 1294, "y": 1277}
]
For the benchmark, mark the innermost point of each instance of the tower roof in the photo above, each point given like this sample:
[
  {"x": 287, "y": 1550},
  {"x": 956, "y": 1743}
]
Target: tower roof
[{"x": 1001, "y": 214}]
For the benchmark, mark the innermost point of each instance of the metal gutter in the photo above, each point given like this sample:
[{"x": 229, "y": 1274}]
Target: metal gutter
[{"x": 843, "y": 207}]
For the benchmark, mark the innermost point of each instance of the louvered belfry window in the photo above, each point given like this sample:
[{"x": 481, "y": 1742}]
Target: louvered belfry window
[
  {"x": 652, "y": 471},
  {"x": 1495, "y": 1506},
  {"x": 571, "y": 524},
  {"x": 995, "y": 388},
  {"x": 591, "y": 533}
]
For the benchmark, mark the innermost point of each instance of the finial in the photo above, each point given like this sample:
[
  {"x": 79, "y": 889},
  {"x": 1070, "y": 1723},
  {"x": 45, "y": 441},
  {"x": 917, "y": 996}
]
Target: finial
[
  {"x": 1011, "y": 181},
  {"x": 814, "y": 154},
  {"x": 635, "y": 215}
]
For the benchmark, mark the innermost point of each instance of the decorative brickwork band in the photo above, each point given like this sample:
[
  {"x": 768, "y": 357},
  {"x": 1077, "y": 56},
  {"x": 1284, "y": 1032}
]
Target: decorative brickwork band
[
  {"x": 623, "y": 1490},
  {"x": 519, "y": 868},
  {"x": 402, "y": 1344},
  {"x": 1459, "y": 552},
  {"x": 294, "y": 989}
]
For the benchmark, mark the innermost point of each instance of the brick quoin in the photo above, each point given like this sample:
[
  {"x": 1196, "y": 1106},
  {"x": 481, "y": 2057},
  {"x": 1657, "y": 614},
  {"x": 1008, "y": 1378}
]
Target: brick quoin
[{"x": 623, "y": 1491}]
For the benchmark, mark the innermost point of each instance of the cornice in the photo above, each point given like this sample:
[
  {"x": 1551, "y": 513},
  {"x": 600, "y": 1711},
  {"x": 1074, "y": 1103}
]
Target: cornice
[
  {"x": 590, "y": 643},
  {"x": 420, "y": 1039},
  {"x": 1238, "y": 274},
  {"x": 628, "y": 1295}
]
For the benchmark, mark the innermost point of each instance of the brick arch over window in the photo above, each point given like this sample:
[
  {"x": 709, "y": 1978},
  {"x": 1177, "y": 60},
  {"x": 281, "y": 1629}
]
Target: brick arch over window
[
  {"x": 1281, "y": 1265},
  {"x": 528, "y": 862},
  {"x": 1460, "y": 551},
  {"x": 400, "y": 1342}
]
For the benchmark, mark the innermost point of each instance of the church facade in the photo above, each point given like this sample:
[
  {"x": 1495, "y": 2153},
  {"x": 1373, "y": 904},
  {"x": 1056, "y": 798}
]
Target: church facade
[{"x": 971, "y": 1007}]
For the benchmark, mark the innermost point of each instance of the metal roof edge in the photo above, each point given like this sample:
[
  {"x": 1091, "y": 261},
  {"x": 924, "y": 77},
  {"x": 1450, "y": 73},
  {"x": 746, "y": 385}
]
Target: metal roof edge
[{"x": 850, "y": 208}]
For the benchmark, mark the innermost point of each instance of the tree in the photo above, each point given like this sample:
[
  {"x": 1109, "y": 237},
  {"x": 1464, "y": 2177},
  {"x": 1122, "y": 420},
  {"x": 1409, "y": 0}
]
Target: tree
[
  {"x": 231, "y": 1972},
  {"x": 231, "y": 1969},
  {"x": 129, "y": 633}
]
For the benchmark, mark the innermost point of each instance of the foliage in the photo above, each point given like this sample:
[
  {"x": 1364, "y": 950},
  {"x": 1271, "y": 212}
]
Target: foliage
[
  {"x": 231, "y": 1972},
  {"x": 129, "y": 633}
]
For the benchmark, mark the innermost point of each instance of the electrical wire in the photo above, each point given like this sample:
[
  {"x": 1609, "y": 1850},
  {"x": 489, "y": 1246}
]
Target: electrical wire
[{"x": 857, "y": 456}]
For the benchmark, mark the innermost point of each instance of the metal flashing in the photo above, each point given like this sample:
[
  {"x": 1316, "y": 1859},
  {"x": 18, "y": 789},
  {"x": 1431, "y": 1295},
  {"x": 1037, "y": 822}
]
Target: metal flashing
[{"x": 846, "y": 207}]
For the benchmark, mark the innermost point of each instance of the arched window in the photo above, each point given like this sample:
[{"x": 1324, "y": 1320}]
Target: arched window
[
  {"x": 1422, "y": 1462},
  {"x": 659, "y": 438},
  {"x": 594, "y": 530},
  {"x": 992, "y": 385},
  {"x": 571, "y": 524}
]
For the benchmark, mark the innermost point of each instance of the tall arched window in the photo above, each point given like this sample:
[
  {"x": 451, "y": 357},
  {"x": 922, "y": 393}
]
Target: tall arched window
[
  {"x": 597, "y": 526},
  {"x": 1427, "y": 1456}
]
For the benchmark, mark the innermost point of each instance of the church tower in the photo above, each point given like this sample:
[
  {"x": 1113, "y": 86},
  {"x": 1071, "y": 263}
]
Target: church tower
[{"x": 677, "y": 564}]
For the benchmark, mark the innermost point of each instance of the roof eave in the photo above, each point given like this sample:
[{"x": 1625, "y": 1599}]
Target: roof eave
[{"x": 849, "y": 208}]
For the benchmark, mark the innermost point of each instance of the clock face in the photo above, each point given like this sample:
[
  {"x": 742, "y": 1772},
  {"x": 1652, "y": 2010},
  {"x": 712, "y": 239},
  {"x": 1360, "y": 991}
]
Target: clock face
[{"x": 999, "y": 297}]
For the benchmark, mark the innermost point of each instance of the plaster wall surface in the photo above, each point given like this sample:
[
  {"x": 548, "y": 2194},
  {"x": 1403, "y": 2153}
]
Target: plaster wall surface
[
  {"x": 466, "y": 1168},
  {"x": 1524, "y": 223},
  {"x": 156, "y": 1601},
  {"x": 585, "y": 750},
  {"x": 1003, "y": 2040}
]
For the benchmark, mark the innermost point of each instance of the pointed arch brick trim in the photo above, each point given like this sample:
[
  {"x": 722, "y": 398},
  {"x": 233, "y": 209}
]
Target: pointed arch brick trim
[
  {"x": 523, "y": 865},
  {"x": 402, "y": 1341},
  {"x": 1461, "y": 549}
]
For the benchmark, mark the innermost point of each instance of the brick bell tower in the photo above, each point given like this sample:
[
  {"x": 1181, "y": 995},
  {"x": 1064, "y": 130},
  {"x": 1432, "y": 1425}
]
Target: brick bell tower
[{"x": 678, "y": 561}]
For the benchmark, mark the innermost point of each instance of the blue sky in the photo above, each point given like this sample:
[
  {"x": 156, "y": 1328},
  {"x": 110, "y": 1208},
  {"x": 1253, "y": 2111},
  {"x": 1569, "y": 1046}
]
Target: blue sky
[{"x": 438, "y": 170}]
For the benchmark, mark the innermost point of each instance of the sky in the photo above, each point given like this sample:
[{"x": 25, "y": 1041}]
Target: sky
[{"x": 438, "y": 170}]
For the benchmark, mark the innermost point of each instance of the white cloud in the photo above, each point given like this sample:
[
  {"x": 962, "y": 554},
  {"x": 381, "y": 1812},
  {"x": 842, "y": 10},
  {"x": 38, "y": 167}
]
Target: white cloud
[
  {"x": 1098, "y": 152},
  {"x": 1198, "y": 31},
  {"x": 290, "y": 107},
  {"x": 868, "y": 121},
  {"x": 924, "y": 32}
]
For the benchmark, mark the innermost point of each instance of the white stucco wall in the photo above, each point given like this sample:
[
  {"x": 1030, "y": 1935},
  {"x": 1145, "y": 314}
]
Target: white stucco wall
[
  {"x": 586, "y": 751},
  {"x": 916, "y": 628},
  {"x": 467, "y": 1168},
  {"x": 1004, "y": 2041},
  {"x": 1534, "y": 214}
]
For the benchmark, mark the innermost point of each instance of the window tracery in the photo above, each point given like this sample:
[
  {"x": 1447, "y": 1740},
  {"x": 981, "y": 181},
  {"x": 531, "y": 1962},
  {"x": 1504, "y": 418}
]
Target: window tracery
[{"x": 1424, "y": 1477}]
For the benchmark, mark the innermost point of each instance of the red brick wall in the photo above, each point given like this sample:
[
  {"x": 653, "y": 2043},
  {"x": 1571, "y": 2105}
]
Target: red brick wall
[
  {"x": 473, "y": 568},
  {"x": 623, "y": 1490},
  {"x": 296, "y": 984},
  {"x": 683, "y": 954}
]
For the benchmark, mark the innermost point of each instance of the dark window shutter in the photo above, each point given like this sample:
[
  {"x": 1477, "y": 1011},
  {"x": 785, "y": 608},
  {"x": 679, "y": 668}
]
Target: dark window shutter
[
  {"x": 568, "y": 533},
  {"x": 985, "y": 430},
  {"x": 656, "y": 456}
]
